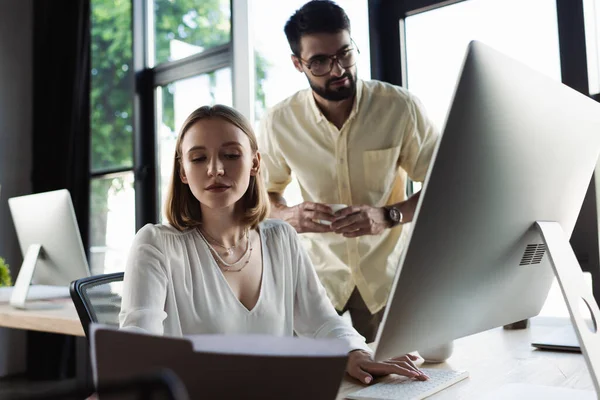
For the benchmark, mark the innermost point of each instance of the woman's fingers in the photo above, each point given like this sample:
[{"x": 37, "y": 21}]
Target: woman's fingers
[
  {"x": 362, "y": 367},
  {"x": 404, "y": 365},
  {"x": 404, "y": 359},
  {"x": 361, "y": 375},
  {"x": 383, "y": 368}
]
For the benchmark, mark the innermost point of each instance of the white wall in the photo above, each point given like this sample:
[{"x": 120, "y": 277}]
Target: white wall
[{"x": 16, "y": 105}]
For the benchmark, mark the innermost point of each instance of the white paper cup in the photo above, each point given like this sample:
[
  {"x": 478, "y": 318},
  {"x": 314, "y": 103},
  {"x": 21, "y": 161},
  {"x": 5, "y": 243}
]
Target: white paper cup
[
  {"x": 334, "y": 208},
  {"x": 337, "y": 207}
]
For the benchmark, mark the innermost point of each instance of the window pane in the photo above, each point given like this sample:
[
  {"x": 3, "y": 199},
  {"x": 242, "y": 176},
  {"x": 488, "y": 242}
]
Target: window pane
[
  {"x": 555, "y": 305},
  {"x": 111, "y": 94},
  {"x": 186, "y": 27},
  {"x": 274, "y": 66},
  {"x": 592, "y": 39},
  {"x": 112, "y": 222},
  {"x": 178, "y": 100},
  {"x": 434, "y": 61}
]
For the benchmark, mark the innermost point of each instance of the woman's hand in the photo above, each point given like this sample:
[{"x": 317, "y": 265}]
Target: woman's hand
[{"x": 362, "y": 367}]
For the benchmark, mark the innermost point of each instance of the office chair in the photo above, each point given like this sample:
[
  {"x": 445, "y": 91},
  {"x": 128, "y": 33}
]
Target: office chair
[
  {"x": 160, "y": 385},
  {"x": 97, "y": 299}
]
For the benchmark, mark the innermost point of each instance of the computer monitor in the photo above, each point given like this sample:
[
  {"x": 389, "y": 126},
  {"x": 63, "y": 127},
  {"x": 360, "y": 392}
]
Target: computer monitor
[
  {"x": 49, "y": 238},
  {"x": 517, "y": 148},
  {"x": 585, "y": 240}
]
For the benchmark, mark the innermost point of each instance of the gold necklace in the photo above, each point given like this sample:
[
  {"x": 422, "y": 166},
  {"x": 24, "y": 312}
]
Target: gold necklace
[
  {"x": 229, "y": 250},
  {"x": 224, "y": 265}
]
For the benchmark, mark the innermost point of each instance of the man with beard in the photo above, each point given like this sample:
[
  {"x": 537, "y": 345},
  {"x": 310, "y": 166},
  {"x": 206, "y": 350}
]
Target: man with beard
[{"x": 350, "y": 142}]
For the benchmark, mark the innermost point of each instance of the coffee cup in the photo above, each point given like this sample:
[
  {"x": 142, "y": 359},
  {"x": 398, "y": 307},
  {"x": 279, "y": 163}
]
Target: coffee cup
[{"x": 334, "y": 209}]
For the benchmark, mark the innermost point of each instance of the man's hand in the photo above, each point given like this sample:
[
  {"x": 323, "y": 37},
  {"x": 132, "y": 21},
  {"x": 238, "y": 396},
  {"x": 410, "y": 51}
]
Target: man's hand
[
  {"x": 357, "y": 221},
  {"x": 362, "y": 367},
  {"x": 303, "y": 217}
]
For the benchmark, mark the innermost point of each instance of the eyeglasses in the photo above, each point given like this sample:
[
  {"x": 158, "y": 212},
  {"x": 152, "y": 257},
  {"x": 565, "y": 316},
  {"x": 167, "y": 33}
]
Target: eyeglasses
[{"x": 322, "y": 65}]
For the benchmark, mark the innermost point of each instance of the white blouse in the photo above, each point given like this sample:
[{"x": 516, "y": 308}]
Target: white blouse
[{"x": 174, "y": 287}]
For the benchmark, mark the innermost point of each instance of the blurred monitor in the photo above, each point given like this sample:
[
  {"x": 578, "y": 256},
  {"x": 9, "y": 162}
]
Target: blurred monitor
[
  {"x": 48, "y": 234},
  {"x": 585, "y": 239}
]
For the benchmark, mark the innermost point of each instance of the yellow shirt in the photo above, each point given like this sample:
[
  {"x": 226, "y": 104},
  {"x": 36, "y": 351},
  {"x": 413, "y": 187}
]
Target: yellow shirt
[{"x": 386, "y": 137}]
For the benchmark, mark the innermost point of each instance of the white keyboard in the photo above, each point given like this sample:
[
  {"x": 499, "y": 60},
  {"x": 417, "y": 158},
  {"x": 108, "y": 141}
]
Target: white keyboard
[{"x": 409, "y": 389}]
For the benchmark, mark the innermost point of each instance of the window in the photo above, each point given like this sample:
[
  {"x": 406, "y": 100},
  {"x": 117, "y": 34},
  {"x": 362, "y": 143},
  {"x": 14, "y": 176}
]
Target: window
[
  {"x": 111, "y": 190},
  {"x": 592, "y": 38},
  {"x": 433, "y": 61},
  {"x": 178, "y": 100},
  {"x": 555, "y": 305},
  {"x": 185, "y": 49},
  {"x": 191, "y": 48},
  {"x": 112, "y": 85},
  {"x": 277, "y": 78},
  {"x": 199, "y": 24},
  {"x": 112, "y": 225}
]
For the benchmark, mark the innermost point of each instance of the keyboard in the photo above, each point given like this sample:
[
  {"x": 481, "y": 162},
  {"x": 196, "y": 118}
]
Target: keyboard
[{"x": 408, "y": 389}]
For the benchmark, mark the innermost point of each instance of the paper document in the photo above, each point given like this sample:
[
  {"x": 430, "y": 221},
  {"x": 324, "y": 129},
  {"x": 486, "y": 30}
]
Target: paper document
[{"x": 256, "y": 345}]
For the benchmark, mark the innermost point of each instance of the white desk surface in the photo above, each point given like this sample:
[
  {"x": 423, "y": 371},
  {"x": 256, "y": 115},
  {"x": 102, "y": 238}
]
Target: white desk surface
[{"x": 499, "y": 357}]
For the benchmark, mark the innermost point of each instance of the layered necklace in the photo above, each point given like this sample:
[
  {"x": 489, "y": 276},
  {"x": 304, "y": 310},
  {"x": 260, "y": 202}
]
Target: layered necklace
[{"x": 224, "y": 265}]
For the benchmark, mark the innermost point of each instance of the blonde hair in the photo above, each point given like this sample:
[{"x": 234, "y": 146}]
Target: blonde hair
[{"x": 182, "y": 208}]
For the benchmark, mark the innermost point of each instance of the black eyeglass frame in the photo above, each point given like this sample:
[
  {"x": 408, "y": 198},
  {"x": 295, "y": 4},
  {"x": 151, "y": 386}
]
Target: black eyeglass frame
[{"x": 332, "y": 58}]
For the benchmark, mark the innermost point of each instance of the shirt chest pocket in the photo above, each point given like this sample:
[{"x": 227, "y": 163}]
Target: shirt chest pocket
[{"x": 381, "y": 167}]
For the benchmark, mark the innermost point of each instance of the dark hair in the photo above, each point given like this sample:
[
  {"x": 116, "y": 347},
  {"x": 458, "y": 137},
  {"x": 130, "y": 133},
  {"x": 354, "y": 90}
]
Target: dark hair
[{"x": 316, "y": 16}]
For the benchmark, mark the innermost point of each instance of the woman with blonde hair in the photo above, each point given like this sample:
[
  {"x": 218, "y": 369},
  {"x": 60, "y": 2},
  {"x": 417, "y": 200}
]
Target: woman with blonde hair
[{"x": 219, "y": 266}]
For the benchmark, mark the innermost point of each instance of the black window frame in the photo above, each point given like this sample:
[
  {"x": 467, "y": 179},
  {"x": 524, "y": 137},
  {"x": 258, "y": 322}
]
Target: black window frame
[{"x": 148, "y": 79}]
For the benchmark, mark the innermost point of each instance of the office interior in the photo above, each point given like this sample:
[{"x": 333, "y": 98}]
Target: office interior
[{"x": 92, "y": 92}]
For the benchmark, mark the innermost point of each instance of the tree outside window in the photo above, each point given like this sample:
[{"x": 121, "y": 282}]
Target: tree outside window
[{"x": 202, "y": 24}]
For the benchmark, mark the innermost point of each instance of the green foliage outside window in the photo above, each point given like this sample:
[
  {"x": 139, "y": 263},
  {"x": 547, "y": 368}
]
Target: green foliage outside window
[
  {"x": 4, "y": 273},
  {"x": 201, "y": 23}
]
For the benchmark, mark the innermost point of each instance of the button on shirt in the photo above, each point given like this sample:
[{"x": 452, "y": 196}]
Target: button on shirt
[{"x": 386, "y": 137}]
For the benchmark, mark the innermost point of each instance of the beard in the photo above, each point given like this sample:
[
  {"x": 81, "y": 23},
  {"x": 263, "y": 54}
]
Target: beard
[{"x": 337, "y": 94}]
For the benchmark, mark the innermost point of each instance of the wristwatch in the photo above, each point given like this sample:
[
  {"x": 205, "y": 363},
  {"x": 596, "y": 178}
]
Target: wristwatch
[{"x": 393, "y": 215}]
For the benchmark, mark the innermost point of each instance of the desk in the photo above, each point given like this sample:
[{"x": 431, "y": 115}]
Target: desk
[
  {"x": 498, "y": 357},
  {"x": 63, "y": 320},
  {"x": 493, "y": 358}
]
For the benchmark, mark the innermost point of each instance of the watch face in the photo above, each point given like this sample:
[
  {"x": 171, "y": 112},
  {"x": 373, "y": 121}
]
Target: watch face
[{"x": 395, "y": 214}]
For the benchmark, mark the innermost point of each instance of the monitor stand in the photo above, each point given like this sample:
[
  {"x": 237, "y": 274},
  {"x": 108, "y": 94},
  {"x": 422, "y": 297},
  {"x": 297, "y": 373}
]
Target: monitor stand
[
  {"x": 574, "y": 289},
  {"x": 18, "y": 298}
]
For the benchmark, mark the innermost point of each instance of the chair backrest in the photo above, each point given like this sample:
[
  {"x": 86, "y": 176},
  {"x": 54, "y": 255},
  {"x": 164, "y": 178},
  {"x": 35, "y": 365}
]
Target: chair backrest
[{"x": 98, "y": 299}]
